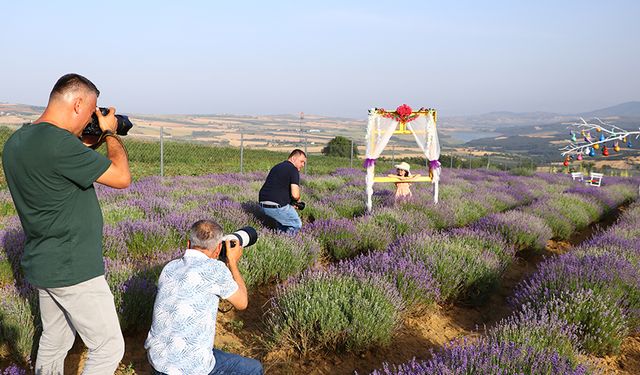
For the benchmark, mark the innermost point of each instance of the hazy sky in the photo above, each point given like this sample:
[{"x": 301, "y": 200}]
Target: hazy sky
[{"x": 326, "y": 57}]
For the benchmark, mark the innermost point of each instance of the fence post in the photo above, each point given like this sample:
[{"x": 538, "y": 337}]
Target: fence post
[
  {"x": 393, "y": 153},
  {"x": 351, "y": 160},
  {"x": 241, "y": 152},
  {"x": 162, "y": 151},
  {"x": 488, "y": 161},
  {"x": 305, "y": 152},
  {"x": 451, "y": 161}
]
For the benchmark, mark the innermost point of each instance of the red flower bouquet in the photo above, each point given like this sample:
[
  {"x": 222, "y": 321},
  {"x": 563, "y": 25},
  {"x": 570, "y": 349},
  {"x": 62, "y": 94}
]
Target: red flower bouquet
[{"x": 404, "y": 110}]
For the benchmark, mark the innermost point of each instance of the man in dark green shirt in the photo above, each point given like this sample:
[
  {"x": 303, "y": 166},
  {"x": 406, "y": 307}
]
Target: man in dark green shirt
[{"x": 50, "y": 173}]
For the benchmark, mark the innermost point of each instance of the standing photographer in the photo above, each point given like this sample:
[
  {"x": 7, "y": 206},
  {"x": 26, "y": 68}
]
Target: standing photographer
[
  {"x": 50, "y": 173},
  {"x": 183, "y": 330},
  {"x": 281, "y": 192}
]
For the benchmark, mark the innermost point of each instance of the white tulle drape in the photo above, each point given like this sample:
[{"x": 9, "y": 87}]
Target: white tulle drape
[
  {"x": 379, "y": 132},
  {"x": 426, "y": 135}
]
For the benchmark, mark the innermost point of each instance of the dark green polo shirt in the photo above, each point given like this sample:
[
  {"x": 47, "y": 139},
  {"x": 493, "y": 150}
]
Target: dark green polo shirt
[{"x": 50, "y": 174}]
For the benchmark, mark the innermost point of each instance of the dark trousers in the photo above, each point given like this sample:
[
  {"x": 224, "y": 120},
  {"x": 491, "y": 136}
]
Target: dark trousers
[{"x": 231, "y": 364}]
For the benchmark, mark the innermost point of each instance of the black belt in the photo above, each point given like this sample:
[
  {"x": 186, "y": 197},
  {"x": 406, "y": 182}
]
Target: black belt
[{"x": 269, "y": 205}]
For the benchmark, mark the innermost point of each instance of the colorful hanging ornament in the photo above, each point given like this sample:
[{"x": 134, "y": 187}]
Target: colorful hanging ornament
[{"x": 602, "y": 138}]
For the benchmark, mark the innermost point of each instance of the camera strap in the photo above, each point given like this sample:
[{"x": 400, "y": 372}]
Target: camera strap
[{"x": 103, "y": 138}]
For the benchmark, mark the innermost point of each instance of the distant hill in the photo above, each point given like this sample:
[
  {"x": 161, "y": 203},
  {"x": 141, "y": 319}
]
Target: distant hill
[
  {"x": 20, "y": 109},
  {"x": 628, "y": 109},
  {"x": 498, "y": 120}
]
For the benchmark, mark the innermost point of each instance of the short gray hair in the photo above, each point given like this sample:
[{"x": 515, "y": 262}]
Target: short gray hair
[
  {"x": 73, "y": 82},
  {"x": 205, "y": 234}
]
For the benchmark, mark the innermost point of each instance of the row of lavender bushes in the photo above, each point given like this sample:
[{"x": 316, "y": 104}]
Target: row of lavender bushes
[
  {"x": 425, "y": 267},
  {"x": 145, "y": 227},
  {"x": 583, "y": 302}
]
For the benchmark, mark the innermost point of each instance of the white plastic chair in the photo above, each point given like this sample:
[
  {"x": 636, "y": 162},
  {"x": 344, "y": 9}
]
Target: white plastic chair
[
  {"x": 577, "y": 176},
  {"x": 595, "y": 179}
]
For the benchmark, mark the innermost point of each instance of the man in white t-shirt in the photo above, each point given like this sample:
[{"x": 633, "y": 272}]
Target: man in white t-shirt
[{"x": 181, "y": 338}]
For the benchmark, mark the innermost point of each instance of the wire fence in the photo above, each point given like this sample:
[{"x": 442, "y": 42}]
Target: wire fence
[{"x": 168, "y": 152}]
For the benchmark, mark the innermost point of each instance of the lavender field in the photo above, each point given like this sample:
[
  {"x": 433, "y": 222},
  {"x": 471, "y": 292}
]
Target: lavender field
[{"x": 349, "y": 281}]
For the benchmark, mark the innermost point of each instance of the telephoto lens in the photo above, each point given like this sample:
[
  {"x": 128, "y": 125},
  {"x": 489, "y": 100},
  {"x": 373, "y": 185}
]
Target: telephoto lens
[{"x": 246, "y": 236}]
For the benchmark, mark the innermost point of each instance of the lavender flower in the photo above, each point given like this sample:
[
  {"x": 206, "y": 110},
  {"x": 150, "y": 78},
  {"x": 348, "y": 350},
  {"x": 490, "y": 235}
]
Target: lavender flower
[
  {"x": 415, "y": 283},
  {"x": 465, "y": 263},
  {"x": 485, "y": 357},
  {"x": 329, "y": 310},
  {"x": 14, "y": 369},
  {"x": 540, "y": 329},
  {"x": 518, "y": 228},
  {"x": 338, "y": 237},
  {"x": 277, "y": 256}
]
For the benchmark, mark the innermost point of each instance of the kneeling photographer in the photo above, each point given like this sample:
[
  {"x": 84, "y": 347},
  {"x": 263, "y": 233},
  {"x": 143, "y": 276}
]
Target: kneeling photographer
[
  {"x": 189, "y": 290},
  {"x": 279, "y": 196}
]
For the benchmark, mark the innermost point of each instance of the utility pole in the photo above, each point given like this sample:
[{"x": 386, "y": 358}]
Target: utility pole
[
  {"x": 162, "y": 151},
  {"x": 300, "y": 126},
  {"x": 351, "y": 159},
  {"x": 241, "y": 152}
]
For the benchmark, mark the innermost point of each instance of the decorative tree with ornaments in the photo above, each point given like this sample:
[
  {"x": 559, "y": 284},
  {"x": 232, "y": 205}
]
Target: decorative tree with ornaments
[{"x": 594, "y": 139}]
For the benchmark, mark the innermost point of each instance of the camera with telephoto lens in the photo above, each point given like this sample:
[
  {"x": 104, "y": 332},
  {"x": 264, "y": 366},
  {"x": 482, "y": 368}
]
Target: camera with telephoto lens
[
  {"x": 93, "y": 128},
  {"x": 299, "y": 205},
  {"x": 245, "y": 236}
]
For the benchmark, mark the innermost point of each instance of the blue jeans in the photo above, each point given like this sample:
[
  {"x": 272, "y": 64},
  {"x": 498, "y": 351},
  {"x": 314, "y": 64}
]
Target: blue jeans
[
  {"x": 286, "y": 218},
  {"x": 231, "y": 364}
]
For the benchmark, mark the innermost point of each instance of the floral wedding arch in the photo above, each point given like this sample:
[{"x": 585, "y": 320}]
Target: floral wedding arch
[{"x": 382, "y": 125}]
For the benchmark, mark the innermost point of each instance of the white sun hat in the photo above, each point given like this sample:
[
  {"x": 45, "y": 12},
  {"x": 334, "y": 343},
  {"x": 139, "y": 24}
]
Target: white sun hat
[{"x": 404, "y": 166}]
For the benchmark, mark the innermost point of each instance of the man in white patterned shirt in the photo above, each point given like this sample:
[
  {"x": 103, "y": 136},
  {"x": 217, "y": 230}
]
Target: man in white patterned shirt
[{"x": 180, "y": 341}]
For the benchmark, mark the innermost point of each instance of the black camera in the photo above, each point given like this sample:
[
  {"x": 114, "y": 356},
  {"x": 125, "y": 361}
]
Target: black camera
[
  {"x": 93, "y": 128},
  {"x": 299, "y": 205},
  {"x": 246, "y": 236}
]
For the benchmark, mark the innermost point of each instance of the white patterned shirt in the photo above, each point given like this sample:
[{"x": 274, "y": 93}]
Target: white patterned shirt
[{"x": 184, "y": 314}]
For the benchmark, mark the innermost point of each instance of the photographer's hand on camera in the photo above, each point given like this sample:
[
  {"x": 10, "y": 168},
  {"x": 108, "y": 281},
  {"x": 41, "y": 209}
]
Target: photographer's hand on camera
[
  {"x": 118, "y": 174},
  {"x": 240, "y": 299},
  {"x": 234, "y": 251},
  {"x": 108, "y": 125},
  {"x": 108, "y": 122}
]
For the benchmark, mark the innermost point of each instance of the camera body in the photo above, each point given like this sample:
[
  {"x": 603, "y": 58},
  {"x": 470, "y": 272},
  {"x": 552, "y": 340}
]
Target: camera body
[
  {"x": 246, "y": 236},
  {"x": 93, "y": 127},
  {"x": 300, "y": 205}
]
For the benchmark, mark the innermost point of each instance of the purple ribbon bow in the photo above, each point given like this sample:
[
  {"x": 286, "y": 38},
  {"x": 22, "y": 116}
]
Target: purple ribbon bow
[
  {"x": 369, "y": 162},
  {"x": 434, "y": 164}
]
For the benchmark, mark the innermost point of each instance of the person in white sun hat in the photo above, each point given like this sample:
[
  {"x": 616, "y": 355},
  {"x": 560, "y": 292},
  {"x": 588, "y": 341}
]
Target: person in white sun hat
[{"x": 403, "y": 171}]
